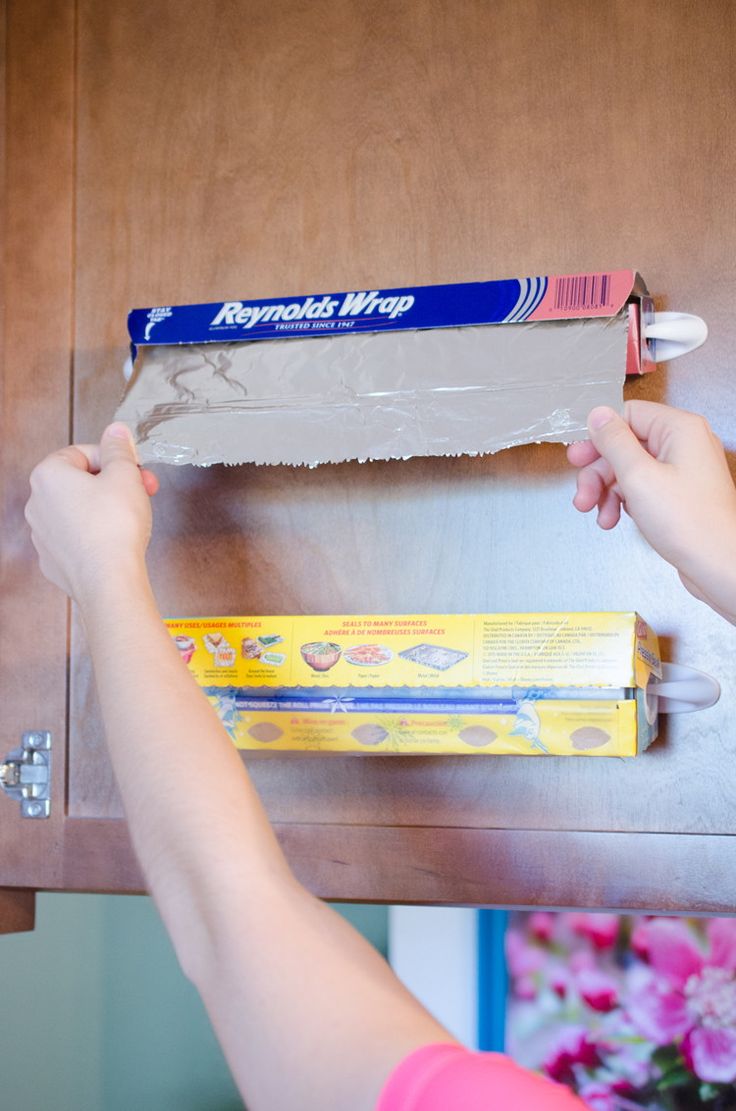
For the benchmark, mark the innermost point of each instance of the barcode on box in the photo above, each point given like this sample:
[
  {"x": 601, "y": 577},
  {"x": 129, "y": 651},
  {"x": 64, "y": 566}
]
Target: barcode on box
[{"x": 582, "y": 291}]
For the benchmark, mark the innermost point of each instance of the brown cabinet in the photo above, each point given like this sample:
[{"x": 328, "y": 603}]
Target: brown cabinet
[{"x": 172, "y": 152}]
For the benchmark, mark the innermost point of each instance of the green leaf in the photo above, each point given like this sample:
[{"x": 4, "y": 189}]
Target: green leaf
[
  {"x": 666, "y": 1057},
  {"x": 709, "y": 1091},
  {"x": 677, "y": 1077}
]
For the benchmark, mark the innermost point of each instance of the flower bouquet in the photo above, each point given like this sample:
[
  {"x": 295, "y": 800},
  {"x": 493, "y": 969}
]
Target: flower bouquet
[{"x": 630, "y": 1012}]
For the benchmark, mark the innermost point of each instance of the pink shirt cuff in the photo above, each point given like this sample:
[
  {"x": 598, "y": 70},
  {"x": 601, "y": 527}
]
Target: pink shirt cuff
[{"x": 440, "y": 1077}]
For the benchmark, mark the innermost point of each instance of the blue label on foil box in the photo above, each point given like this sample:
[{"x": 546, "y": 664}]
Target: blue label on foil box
[{"x": 368, "y": 310}]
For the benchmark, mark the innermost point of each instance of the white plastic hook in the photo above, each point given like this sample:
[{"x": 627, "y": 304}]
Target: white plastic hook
[
  {"x": 675, "y": 333},
  {"x": 683, "y": 689}
]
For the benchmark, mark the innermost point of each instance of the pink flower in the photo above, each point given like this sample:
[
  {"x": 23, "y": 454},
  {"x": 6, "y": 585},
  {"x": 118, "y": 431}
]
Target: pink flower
[
  {"x": 559, "y": 980},
  {"x": 689, "y": 994},
  {"x": 525, "y": 987},
  {"x": 542, "y": 925},
  {"x": 598, "y": 1096},
  {"x": 623, "y": 1087},
  {"x": 521, "y": 957},
  {"x": 670, "y": 948},
  {"x": 524, "y": 961},
  {"x": 573, "y": 1047},
  {"x": 722, "y": 937},
  {"x": 582, "y": 960},
  {"x": 602, "y": 1095},
  {"x": 656, "y": 1010},
  {"x": 600, "y": 929},
  {"x": 639, "y": 943},
  {"x": 597, "y": 989}
]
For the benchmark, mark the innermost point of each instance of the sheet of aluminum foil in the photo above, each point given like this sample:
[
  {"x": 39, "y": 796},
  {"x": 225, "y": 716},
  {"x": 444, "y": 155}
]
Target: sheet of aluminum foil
[{"x": 443, "y": 391}]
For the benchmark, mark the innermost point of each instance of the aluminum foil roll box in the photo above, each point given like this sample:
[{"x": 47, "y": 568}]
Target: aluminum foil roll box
[
  {"x": 457, "y": 369},
  {"x": 525, "y": 684}
]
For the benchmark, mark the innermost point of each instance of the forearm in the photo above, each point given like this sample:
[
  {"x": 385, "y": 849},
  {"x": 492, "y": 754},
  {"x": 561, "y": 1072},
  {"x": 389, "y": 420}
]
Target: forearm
[
  {"x": 194, "y": 816},
  {"x": 273, "y": 964},
  {"x": 709, "y": 570}
]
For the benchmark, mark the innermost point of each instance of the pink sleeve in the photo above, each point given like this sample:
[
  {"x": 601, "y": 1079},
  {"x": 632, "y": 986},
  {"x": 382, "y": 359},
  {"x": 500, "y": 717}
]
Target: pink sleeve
[{"x": 439, "y": 1077}]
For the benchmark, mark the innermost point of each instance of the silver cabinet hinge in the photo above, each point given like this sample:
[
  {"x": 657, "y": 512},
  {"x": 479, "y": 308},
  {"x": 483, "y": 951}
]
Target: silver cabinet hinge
[{"x": 25, "y": 774}]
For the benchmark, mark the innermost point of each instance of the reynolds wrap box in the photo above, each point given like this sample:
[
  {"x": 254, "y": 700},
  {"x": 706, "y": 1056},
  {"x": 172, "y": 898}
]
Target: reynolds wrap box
[
  {"x": 384, "y": 373},
  {"x": 571, "y": 684}
]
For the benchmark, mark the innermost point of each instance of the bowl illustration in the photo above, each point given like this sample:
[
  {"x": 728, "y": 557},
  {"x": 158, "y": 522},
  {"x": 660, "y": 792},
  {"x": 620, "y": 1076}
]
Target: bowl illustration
[{"x": 321, "y": 655}]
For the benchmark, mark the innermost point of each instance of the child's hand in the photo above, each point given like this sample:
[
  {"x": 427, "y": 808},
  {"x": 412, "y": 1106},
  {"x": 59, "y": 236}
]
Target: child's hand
[
  {"x": 669, "y": 472},
  {"x": 90, "y": 513}
]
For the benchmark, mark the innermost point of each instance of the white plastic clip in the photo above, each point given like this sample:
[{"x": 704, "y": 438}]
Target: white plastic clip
[
  {"x": 683, "y": 689},
  {"x": 675, "y": 333}
]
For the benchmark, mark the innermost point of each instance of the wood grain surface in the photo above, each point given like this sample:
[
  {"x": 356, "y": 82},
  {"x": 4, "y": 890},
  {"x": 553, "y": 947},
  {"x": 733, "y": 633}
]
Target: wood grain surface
[
  {"x": 34, "y": 414},
  {"x": 239, "y": 150},
  {"x": 17, "y": 910}
]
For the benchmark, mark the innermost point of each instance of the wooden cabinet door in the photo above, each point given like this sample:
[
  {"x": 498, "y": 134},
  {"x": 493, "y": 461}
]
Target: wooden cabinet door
[{"x": 189, "y": 151}]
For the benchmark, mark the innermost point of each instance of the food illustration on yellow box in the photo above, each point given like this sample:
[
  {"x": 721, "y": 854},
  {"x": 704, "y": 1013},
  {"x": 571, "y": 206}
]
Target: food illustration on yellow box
[
  {"x": 572, "y": 684},
  {"x": 368, "y": 655},
  {"x": 225, "y": 655},
  {"x": 321, "y": 656},
  {"x": 186, "y": 647}
]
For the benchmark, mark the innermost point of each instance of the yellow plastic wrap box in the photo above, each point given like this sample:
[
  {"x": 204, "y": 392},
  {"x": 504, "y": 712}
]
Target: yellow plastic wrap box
[{"x": 566, "y": 684}]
